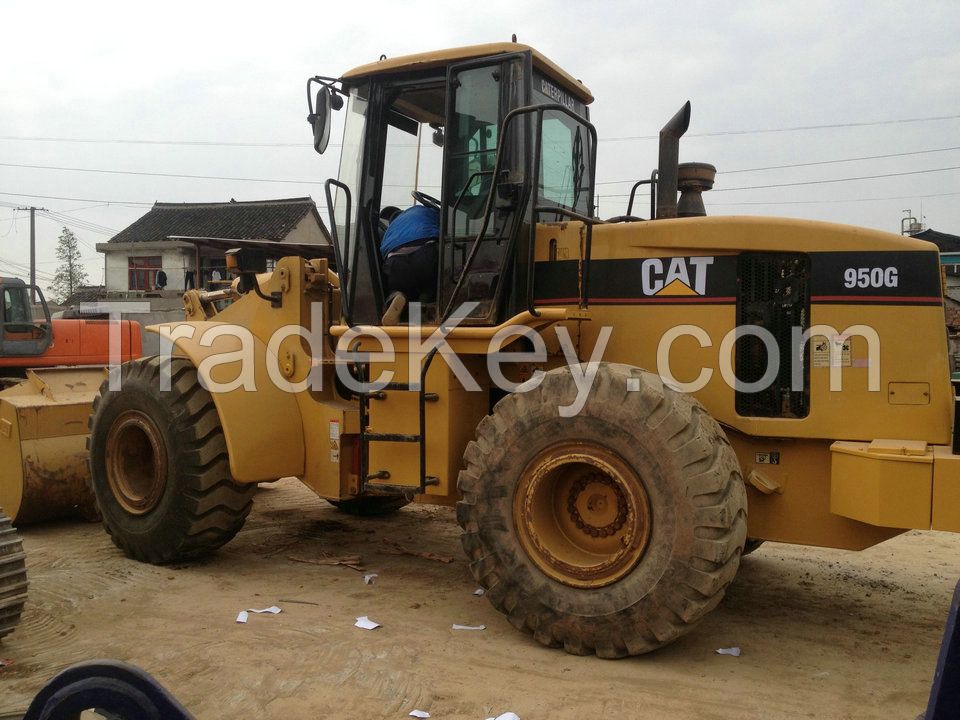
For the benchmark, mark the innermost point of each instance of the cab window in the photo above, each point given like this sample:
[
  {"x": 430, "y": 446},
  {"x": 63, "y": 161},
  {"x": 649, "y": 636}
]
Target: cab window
[
  {"x": 16, "y": 306},
  {"x": 564, "y": 163},
  {"x": 472, "y": 148}
]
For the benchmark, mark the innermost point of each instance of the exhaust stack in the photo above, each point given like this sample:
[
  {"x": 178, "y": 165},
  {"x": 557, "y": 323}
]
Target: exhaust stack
[{"x": 669, "y": 159}]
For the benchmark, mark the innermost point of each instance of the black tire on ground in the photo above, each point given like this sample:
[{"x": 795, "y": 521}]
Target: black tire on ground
[
  {"x": 159, "y": 465},
  {"x": 750, "y": 546},
  {"x": 13, "y": 576},
  {"x": 371, "y": 505},
  {"x": 666, "y": 448}
]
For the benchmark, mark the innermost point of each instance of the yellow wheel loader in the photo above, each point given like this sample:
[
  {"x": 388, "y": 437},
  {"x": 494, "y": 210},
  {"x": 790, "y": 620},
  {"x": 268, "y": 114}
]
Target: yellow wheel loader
[{"x": 618, "y": 408}]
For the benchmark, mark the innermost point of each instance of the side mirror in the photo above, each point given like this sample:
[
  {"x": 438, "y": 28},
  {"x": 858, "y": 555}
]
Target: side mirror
[{"x": 319, "y": 119}]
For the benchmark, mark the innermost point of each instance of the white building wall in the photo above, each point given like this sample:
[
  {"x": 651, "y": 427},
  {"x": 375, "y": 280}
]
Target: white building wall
[
  {"x": 174, "y": 262},
  {"x": 306, "y": 231},
  {"x": 116, "y": 277}
]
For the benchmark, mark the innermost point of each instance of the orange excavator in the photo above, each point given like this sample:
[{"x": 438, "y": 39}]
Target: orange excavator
[
  {"x": 50, "y": 371},
  {"x": 29, "y": 342}
]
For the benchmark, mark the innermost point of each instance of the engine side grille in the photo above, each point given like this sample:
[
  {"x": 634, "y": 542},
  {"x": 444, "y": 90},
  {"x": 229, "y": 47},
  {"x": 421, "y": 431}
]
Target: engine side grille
[{"x": 773, "y": 293}]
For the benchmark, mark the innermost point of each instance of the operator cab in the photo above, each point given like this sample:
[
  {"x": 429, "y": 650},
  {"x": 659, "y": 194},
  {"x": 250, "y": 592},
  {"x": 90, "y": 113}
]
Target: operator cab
[
  {"x": 21, "y": 334},
  {"x": 470, "y": 132}
]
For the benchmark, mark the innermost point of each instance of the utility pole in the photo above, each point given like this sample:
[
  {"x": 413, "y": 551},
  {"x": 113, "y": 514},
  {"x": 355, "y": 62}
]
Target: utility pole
[{"x": 33, "y": 250}]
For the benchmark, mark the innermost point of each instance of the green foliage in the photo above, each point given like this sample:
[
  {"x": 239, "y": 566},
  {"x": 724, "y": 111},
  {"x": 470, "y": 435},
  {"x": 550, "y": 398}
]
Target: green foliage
[{"x": 70, "y": 272}]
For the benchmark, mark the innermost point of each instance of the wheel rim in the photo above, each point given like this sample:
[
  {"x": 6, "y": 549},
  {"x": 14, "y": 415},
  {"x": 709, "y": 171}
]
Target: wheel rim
[
  {"x": 582, "y": 514},
  {"x": 136, "y": 462}
]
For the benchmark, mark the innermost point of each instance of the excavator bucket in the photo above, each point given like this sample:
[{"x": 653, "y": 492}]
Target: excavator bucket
[{"x": 43, "y": 435}]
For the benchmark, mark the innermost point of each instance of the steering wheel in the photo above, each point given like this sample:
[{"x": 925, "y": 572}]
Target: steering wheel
[{"x": 427, "y": 200}]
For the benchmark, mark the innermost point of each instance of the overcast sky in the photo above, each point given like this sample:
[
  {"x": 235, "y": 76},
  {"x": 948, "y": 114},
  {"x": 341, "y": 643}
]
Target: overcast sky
[{"x": 235, "y": 73}]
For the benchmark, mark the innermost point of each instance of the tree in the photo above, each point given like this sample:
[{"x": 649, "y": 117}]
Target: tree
[{"x": 70, "y": 272}]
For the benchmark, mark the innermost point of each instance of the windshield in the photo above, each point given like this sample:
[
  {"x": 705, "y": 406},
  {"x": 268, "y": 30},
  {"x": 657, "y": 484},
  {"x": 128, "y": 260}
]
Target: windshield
[
  {"x": 413, "y": 152},
  {"x": 351, "y": 157}
]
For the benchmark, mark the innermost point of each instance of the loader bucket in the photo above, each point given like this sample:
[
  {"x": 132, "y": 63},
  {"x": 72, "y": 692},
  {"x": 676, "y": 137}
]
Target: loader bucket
[{"x": 43, "y": 436}]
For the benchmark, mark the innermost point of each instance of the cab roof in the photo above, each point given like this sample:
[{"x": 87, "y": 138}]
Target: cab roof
[{"x": 437, "y": 58}]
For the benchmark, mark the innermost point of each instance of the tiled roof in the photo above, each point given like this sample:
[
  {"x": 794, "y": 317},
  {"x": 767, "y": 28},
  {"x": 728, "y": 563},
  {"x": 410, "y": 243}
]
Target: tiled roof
[
  {"x": 258, "y": 220},
  {"x": 945, "y": 241}
]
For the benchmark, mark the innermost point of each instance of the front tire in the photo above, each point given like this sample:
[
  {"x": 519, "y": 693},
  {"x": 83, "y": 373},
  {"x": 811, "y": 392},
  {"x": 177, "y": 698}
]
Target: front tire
[
  {"x": 159, "y": 465},
  {"x": 613, "y": 532}
]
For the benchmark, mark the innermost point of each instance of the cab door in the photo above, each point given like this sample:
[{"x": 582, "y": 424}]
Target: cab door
[
  {"x": 482, "y": 213},
  {"x": 20, "y": 334}
]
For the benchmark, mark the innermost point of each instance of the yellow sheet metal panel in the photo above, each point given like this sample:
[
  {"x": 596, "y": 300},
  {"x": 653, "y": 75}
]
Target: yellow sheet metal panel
[
  {"x": 438, "y": 58},
  {"x": 262, "y": 427},
  {"x": 908, "y": 393},
  {"x": 885, "y": 489},
  {"x": 56, "y": 480},
  {"x": 913, "y": 345},
  {"x": 11, "y": 461},
  {"x": 946, "y": 489},
  {"x": 914, "y": 448},
  {"x": 43, "y": 435},
  {"x": 329, "y": 445},
  {"x": 798, "y": 511}
]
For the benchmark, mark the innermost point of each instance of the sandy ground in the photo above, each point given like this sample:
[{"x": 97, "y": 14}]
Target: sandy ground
[{"x": 824, "y": 634}]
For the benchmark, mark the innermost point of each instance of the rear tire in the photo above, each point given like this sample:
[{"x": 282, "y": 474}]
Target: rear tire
[
  {"x": 613, "y": 532},
  {"x": 371, "y": 505},
  {"x": 159, "y": 466},
  {"x": 13, "y": 577}
]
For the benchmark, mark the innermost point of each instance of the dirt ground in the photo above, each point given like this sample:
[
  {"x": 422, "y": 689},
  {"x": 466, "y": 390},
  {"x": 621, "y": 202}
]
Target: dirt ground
[{"x": 823, "y": 633}]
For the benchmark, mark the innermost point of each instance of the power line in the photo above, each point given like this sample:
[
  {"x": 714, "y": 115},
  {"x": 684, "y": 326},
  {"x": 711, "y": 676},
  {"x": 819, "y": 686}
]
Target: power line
[
  {"x": 810, "y": 164},
  {"x": 798, "y": 128},
  {"x": 85, "y": 224},
  {"x": 19, "y": 267},
  {"x": 193, "y": 143},
  {"x": 58, "y": 197},
  {"x": 162, "y": 174},
  {"x": 843, "y": 160},
  {"x": 183, "y": 175},
  {"x": 833, "y": 200},
  {"x": 223, "y": 143},
  {"x": 818, "y": 182},
  {"x": 836, "y": 180}
]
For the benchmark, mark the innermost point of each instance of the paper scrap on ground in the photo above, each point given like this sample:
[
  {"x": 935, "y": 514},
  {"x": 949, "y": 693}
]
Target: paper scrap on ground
[
  {"x": 735, "y": 651},
  {"x": 506, "y": 716},
  {"x": 419, "y": 713},
  {"x": 244, "y": 615},
  {"x": 366, "y": 623},
  {"x": 368, "y": 579},
  {"x": 469, "y": 627},
  {"x": 479, "y": 592}
]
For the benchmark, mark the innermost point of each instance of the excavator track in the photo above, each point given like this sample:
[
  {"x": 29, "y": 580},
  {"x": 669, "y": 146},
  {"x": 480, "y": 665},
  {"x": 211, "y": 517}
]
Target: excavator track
[{"x": 13, "y": 576}]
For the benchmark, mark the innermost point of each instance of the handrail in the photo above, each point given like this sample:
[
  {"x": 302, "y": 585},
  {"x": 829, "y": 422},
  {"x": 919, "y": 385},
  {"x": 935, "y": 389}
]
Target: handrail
[
  {"x": 534, "y": 208},
  {"x": 456, "y": 204},
  {"x": 652, "y": 182},
  {"x": 586, "y": 219},
  {"x": 343, "y": 270}
]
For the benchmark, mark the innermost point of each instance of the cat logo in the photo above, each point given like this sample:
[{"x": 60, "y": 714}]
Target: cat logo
[{"x": 679, "y": 276}]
